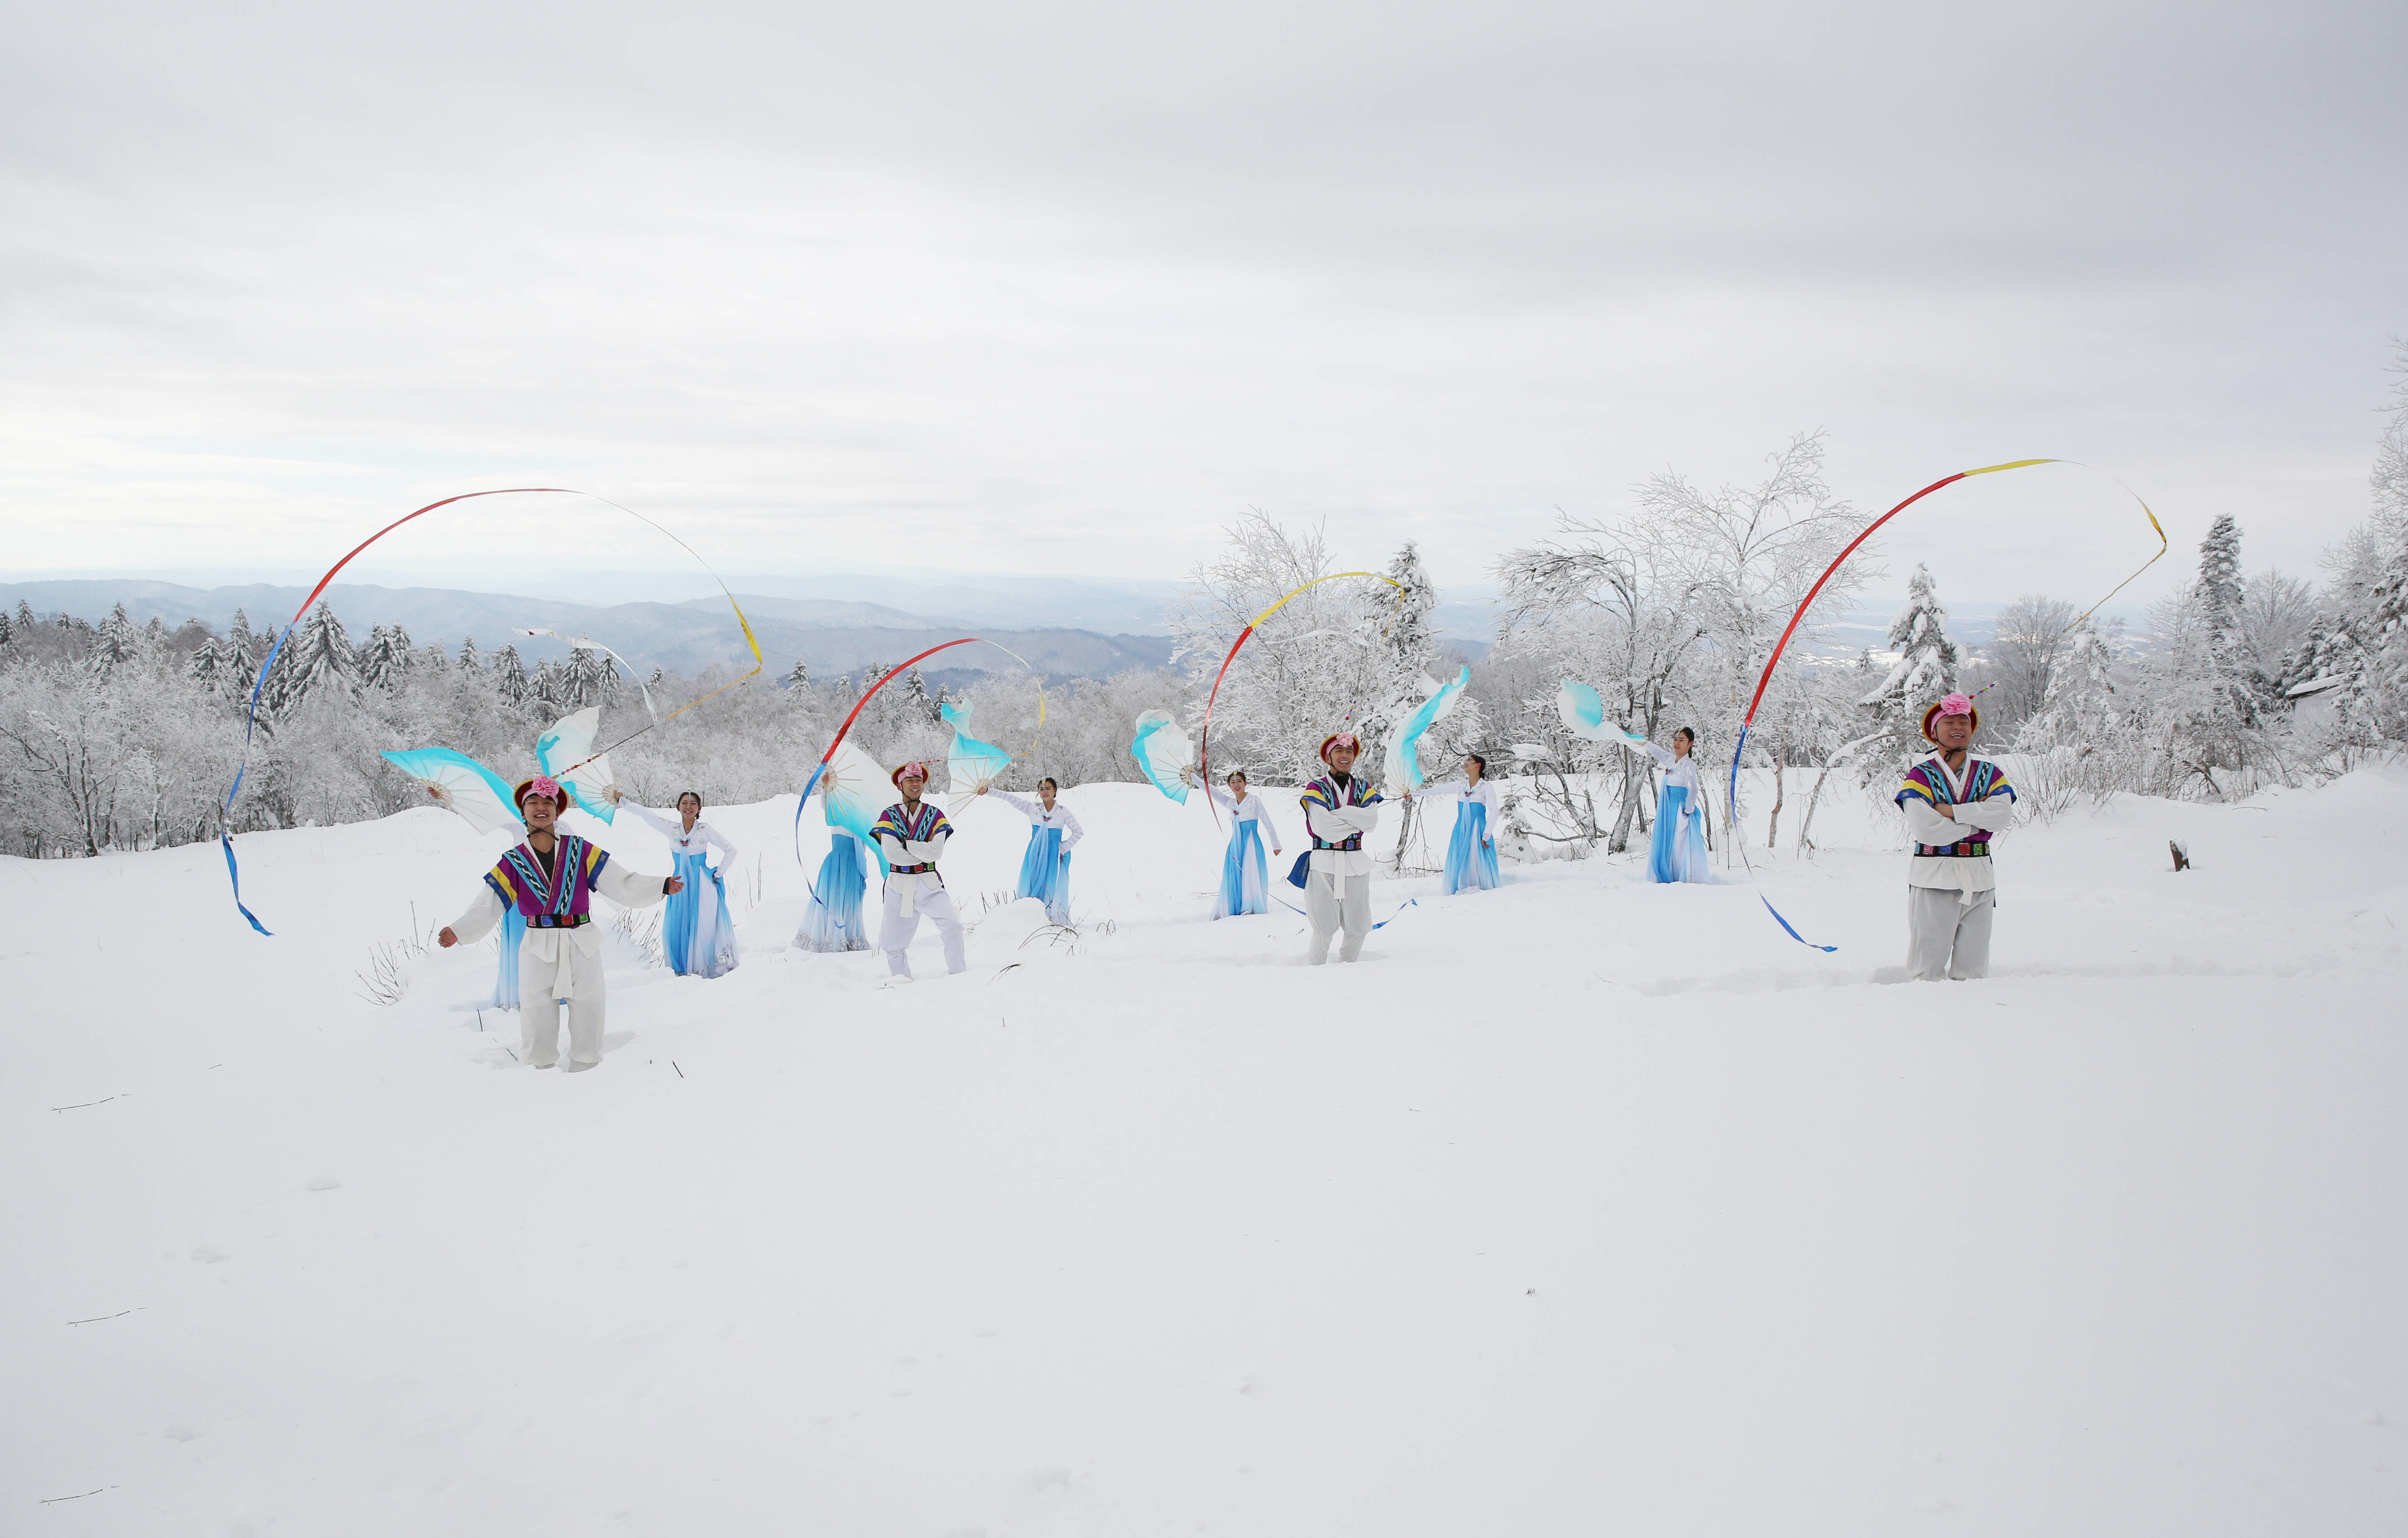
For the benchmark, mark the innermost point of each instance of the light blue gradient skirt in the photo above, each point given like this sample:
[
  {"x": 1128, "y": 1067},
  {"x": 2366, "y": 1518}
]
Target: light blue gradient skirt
[
  {"x": 1679, "y": 851},
  {"x": 833, "y": 921},
  {"x": 1245, "y": 881},
  {"x": 696, "y": 932},
  {"x": 1470, "y": 856},
  {"x": 505, "y": 986},
  {"x": 1045, "y": 872}
]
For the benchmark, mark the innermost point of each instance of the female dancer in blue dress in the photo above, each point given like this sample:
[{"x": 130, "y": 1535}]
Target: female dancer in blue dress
[
  {"x": 1052, "y": 833},
  {"x": 696, "y": 932},
  {"x": 1679, "y": 851},
  {"x": 1244, "y": 884},
  {"x": 1471, "y": 851}
]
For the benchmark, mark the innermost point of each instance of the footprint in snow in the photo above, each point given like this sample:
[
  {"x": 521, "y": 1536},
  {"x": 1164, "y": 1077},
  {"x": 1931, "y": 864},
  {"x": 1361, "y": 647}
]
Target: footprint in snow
[{"x": 325, "y": 1182}]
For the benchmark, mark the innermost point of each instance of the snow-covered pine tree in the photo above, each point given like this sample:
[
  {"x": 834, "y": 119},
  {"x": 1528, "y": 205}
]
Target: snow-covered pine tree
[
  {"x": 319, "y": 654},
  {"x": 8, "y": 632},
  {"x": 2221, "y": 598},
  {"x": 509, "y": 676},
  {"x": 211, "y": 668},
  {"x": 470, "y": 662},
  {"x": 799, "y": 676},
  {"x": 112, "y": 641},
  {"x": 550, "y": 685},
  {"x": 24, "y": 615},
  {"x": 1927, "y": 656},
  {"x": 587, "y": 678},
  {"x": 1404, "y": 648},
  {"x": 384, "y": 661}
]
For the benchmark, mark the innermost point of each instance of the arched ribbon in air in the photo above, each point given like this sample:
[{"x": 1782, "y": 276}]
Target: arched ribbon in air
[
  {"x": 884, "y": 678},
  {"x": 1163, "y": 753},
  {"x": 1765, "y": 679},
  {"x": 1204, "y": 738},
  {"x": 583, "y": 644},
  {"x": 1404, "y": 761},
  {"x": 250, "y": 724}
]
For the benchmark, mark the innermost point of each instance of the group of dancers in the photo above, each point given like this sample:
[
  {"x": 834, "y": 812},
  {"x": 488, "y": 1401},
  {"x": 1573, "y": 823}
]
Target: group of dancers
[{"x": 540, "y": 893}]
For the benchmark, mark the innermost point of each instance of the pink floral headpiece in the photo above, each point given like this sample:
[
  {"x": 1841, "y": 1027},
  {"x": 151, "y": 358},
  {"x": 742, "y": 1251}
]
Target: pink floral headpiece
[
  {"x": 1956, "y": 705},
  {"x": 545, "y": 786},
  {"x": 1339, "y": 740},
  {"x": 914, "y": 769}
]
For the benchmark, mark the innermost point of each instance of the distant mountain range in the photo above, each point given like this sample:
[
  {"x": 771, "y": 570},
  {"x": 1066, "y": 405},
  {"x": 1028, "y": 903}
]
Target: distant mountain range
[{"x": 830, "y": 636}]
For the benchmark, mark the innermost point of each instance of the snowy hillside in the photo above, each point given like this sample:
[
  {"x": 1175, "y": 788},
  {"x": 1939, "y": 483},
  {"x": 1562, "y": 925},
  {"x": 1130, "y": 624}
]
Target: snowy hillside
[{"x": 1581, "y": 1206}]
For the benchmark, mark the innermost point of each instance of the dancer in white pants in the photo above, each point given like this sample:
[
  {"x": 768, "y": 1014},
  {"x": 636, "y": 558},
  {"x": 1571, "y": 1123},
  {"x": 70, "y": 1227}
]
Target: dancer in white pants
[
  {"x": 1954, "y": 805},
  {"x": 550, "y": 881},
  {"x": 913, "y": 834},
  {"x": 1340, "y": 808}
]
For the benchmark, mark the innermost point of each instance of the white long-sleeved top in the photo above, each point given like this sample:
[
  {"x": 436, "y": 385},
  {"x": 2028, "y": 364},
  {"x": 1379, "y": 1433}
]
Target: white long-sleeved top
[
  {"x": 673, "y": 829},
  {"x": 1967, "y": 874},
  {"x": 1679, "y": 769},
  {"x": 1254, "y": 809},
  {"x": 1460, "y": 790},
  {"x": 1034, "y": 810},
  {"x": 553, "y": 947},
  {"x": 1336, "y": 825},
  {"x": 913, "y": 852}
]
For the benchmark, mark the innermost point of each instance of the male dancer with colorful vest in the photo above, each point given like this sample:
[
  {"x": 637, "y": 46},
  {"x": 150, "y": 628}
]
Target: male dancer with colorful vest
[
  {"x": 550, "y": 881},
  {"x": 912, "y": 834},
  {"x": 1954, "y": 805},
  {"x": 1340, "y": 808}
]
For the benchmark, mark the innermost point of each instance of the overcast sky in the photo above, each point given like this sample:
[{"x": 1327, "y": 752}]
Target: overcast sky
[{"x": 1065, "y": 288}]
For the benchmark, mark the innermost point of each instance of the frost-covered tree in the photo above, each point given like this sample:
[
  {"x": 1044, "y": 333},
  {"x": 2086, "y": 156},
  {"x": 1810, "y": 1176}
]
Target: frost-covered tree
[
  {"x": 384, "y": 661},
  {"x": 319, "y": 656},
  {"x": 469, "y": 661},
  {"x": 509, "y": 676},
  {"x": 113, "y": 640},
  {"x": 799, "y": 675},
  {"x": 1318, "y": 667},
  {"x": 1928, "y": 656},
  {"x": 588, "y": 678},
  {"x": 2032, "y": 639}
]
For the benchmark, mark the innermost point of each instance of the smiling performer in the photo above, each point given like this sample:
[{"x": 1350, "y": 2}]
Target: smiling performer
[
  {"x": 1244, "y": 884},
  {"x": 550, "y": 880},
  {"x": 1954, "y": 805},
  {"x": 1679, "y": 851},
  {"x": 1052, "y": 833},
  {"x": 1471, "y": 850},
  {"x": 696, "y": 932},
  {"x": 1340, "y": 808},
  {"x": 913, "y": 834}
]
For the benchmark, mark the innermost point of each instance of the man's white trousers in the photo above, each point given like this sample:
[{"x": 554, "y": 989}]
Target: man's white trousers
[
  {"x": 1945, "y": 937},
  {"x": 571, "y": 974},
  {"x": 1331, "y": 899},
  {"x": 894, "y": 935}
]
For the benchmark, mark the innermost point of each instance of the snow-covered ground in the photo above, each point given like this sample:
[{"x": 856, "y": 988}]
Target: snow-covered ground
[{"x": 1580, "y": 1206}]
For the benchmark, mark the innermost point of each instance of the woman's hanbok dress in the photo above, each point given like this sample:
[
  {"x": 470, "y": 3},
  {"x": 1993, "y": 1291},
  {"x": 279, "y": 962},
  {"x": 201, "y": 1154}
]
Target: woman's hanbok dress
[
  {"x": 696, "y": 932},
  {"x": 1679, "y": 851},
  {"x": 1471, "y": 849},
  {"x": 1246, "y": 885},
  {"x": 1045, "y": 869},
  {"x": 833, "y": 921}
]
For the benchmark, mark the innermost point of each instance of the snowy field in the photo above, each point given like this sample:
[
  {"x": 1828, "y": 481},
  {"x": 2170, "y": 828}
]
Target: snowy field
[{"x": 1583, "y": 1206}]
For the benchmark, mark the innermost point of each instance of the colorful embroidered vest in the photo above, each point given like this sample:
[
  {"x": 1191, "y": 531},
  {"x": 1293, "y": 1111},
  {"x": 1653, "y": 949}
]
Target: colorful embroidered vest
[
  {"x": 520, "y": 880},
  {"x": 1928, "y": 782},
  {"x": 910, "y": 829},
  {"x": 1325, "y": 791}
]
